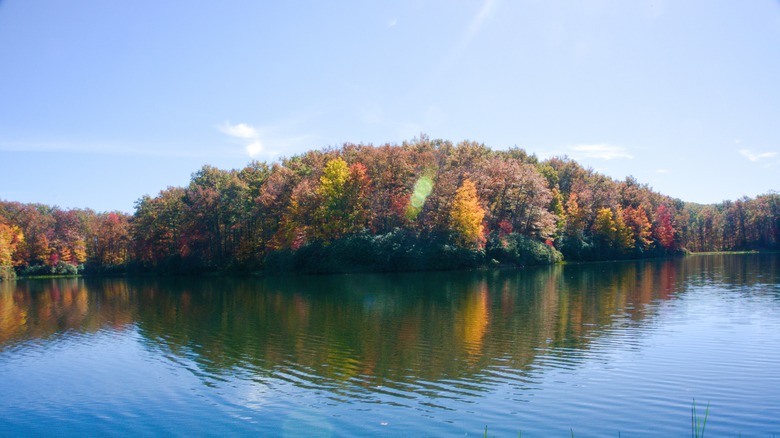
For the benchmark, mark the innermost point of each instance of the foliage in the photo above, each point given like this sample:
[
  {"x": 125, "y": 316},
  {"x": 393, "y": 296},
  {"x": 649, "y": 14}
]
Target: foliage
[
  {"x": 343, "y": 196},
  {"x": 466, "y": 216},
  {"x": 60, "y": 268},
  {"x": 11, "y": 236},
  {"x": 424, "y": 204},
  {"x": 519, "y": 250},
  {"x": 640, "y": 227},
  {"x": 396, "y": 251},
  {"x": 664, "y": 227}
]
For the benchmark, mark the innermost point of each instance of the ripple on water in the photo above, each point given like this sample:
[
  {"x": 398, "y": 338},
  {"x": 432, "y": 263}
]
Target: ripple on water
[{"x": 516, "y": 358}]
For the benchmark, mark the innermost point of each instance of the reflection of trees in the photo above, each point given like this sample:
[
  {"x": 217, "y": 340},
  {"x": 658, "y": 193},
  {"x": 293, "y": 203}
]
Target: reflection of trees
[
  {"x": 394, "y": 330},
  {"x": 734, "y": 270},
  {"x": 44, "y": 308},
  {"x": 344, "y": 333}
]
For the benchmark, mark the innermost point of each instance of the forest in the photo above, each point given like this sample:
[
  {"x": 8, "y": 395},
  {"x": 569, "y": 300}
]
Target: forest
[{"x": 422, "y": 205}]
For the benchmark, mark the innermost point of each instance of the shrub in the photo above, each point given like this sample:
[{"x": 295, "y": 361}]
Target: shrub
[
  {"x": 520, "y": 250},
  {"x": 398, "y": 250},
  {"x": 61, "y": 268}
]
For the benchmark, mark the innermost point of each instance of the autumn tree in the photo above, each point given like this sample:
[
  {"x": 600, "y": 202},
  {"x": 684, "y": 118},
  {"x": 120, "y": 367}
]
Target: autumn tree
[
  {"x": 557, "y": 209},
  {"x": 612, "y": 233},
  {"x": 272, "y": 204},
  {"x": 331, "y": 217},
  {"x": 515, "y": 192},
  {"x": 68, "y": 245},
  {"x": 575, "y": 222},
  {"x": 343, "y": 197},
  {"x": 37, "y": 225},
  {"x": 357, "y": 191},
  {"x": 392, "y": 173},
  {"x": 664, "y": 227},
  {"x": 466, "y": 216},
  {"x": 10, "y": 238},
  {"x": 158, "y": 225},
  {"x": 624, "y": 237},
  {"x": 298, "y": 222},
  {"x": 110, "y": 239},
  {"x": 421, "y": 191},
  {"x": 604, "y": 228},
  {"x": 640, "y": 226}
]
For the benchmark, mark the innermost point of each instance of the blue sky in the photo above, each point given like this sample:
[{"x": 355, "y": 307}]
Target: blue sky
[{"x": 102, "y": 102}]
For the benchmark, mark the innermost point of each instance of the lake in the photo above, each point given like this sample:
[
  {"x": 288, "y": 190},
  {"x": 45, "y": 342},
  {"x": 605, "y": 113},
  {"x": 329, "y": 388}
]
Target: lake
[{"x": 598, "y": 349}]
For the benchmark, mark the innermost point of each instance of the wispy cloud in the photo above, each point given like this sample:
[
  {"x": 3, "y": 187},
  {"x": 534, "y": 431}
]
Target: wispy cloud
[
  {"x": 269, "y": 141},
  {"x": 479, "y": 20},
  {"x": 663, "y": 171},
  {"x": 243, "y": 131},
  {"x": 392, "y": 22},
  {"x": 756, "y": 156},
  {"x": 474, "y": 26},
  {"x": 240, "y": 130},
  {"x": 108, "y": 147},
  {"x": 601, "y": 151}
]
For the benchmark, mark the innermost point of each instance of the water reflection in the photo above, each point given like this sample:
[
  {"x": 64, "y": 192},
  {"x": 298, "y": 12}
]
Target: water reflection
[
  {"x": 42, "y": 309},
  {"x": 409, "y": 336}
]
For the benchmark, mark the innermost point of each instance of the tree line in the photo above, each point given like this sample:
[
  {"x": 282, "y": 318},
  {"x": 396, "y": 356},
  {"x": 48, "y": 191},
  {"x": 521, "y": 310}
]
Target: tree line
[{"x": 424, "y": 204}]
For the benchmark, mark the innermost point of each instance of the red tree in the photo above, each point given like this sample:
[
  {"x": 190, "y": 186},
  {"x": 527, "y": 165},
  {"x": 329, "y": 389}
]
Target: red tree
[{"x": 664, "y": 227}]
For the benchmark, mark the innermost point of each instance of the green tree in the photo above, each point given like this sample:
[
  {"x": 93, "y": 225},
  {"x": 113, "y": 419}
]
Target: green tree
[
  {"x": 332, "y": 214},
  {"x": 624, "y": 236},
  {"x": 343, "y": 197},
  {"x": 556, "y": 208}
]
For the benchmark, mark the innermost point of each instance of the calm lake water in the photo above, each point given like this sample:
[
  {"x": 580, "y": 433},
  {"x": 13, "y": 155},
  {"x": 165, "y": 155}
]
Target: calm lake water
[{"x": 599, "y": 349}]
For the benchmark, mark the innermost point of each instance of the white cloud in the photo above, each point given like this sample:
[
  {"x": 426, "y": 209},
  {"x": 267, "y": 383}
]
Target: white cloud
[
  {"x": 663, "y": 171},
  {"x": 392, "y": 22},
  {"x": 269, "y": 140},
  {"x": 254, "y": 149},
  {"x": 242, "y": 130},
  {"x": 600, "y": 151},
  {"x": 756, "y": 156}
]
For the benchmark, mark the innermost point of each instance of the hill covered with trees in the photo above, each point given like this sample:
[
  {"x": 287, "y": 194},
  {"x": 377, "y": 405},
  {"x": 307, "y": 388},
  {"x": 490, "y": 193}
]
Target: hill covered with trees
[{"x": 425, "y": 204}]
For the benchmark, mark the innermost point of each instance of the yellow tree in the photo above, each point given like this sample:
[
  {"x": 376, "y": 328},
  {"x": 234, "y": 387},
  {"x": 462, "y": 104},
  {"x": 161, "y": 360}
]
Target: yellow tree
[
  {"x": 331, "y": 212},
  {"x": 624, "y": 237},
  {"x": 604, "y": 227},
  {"x": 637, "y": 220},
  {"x": 612, "y": 230},
  {"x": 333, "y": 179},
  {"x": 343, "y": 193},
  {"x": 575, "y": 216},
  {"x": 10, "y": 237},
  {"x": 466, "y": 216},
  {"x": 556, "y": 207}
]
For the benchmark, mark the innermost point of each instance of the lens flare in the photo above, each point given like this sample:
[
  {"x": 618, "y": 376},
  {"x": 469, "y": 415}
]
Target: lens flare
[{"x": 422, "y": 188}]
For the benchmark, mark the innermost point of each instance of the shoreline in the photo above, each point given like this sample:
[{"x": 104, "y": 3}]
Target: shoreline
[{"x": 486, "y": 267}]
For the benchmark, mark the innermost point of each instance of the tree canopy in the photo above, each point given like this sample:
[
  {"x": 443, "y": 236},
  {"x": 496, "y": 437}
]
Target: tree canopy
[{"x": 398, "y": 204}]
